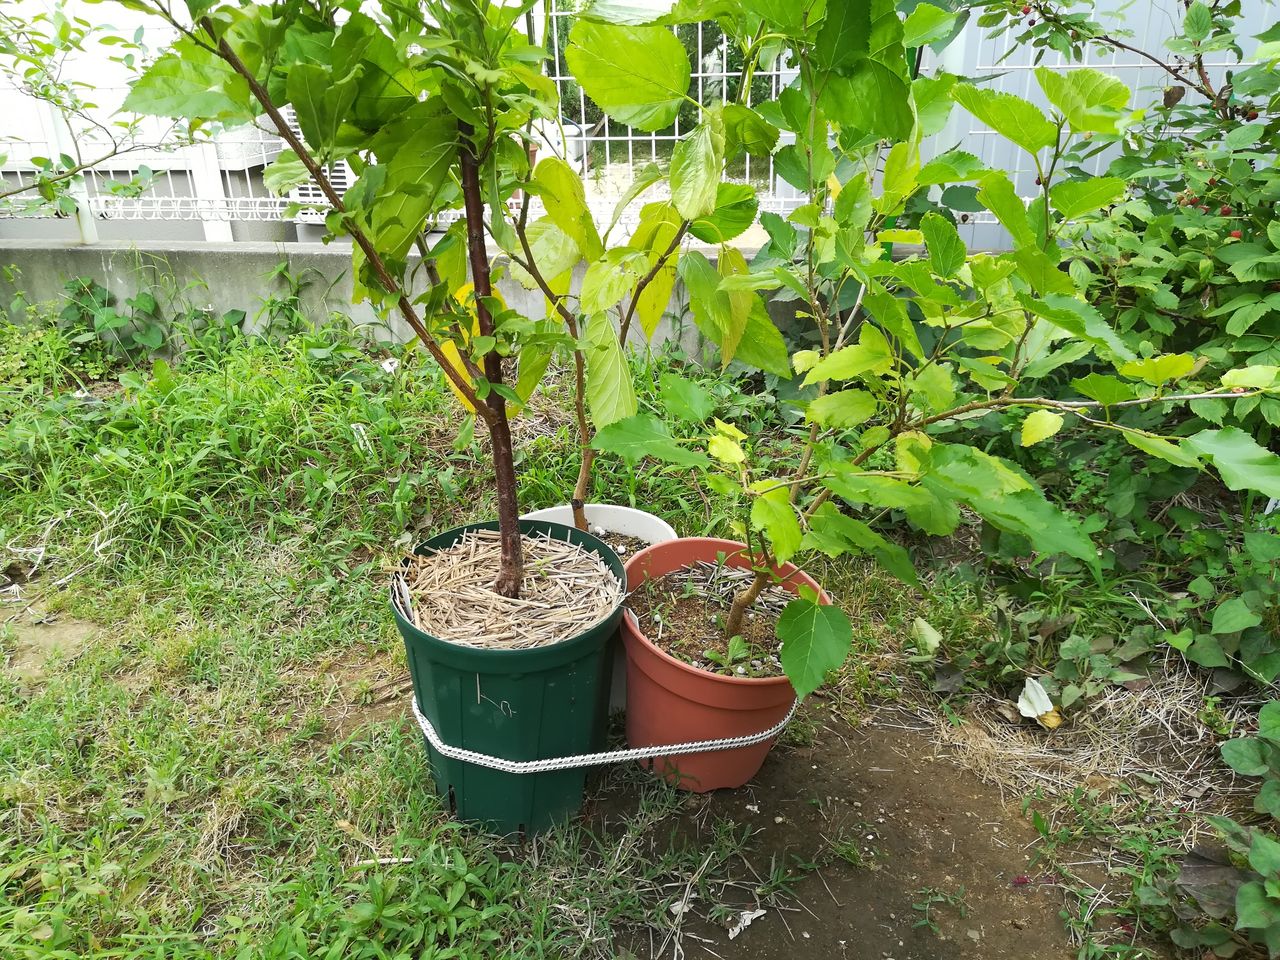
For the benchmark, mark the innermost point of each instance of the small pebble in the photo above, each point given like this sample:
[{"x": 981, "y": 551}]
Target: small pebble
[{"x": 741, "y": 671}]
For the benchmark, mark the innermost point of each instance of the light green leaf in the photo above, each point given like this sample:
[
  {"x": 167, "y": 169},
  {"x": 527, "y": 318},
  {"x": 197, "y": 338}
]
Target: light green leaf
[
  {"x": 1259, "y": 377},
  {"x": 744, "y": 129},
  {"x": 870, "y": 100},
  {"x": 1245, "y": 755},
  {"x": 415, "y": 179},
  {"x": 695, "y": 170},
  {"x": 870, "y": 355},
  {"x": 735, "y": 210},
  {"x": 1165, "y": 450},
  {"x": 644, "y": 435},
  {"x": 816, "y": 638},
  {"x": 1264, "y": 855},
  {"x": 1255, "y": 909},
  {"x": 1090, "y": 99},
  {"x": 1075, "y": 198},
  {"x": 844, "y": 36},
  {"x": 565, "y": 200},
  {"x": 554, "y": 252},
  {"x": 1232, "y": 616},
  {"x": 1106, "y": 390},
  {"x": 1269, "y": 722},
  {"x": 726, "y": 449},
  {"x": 284, "y": 173},
  {"x": 611, "y": 278},
  {"x": 773, "y": 513},
  {"x": 646, "y": 178},
  {"x": 762, "y": 345},
  {"x": 954, "y": 166},
  {"x": 685, "y": 399},
  {"x": 638, "y": 75},
  {"x": 927, "y": 24},
  {"x": 1040, "y": 425},
  {"x": 996, "y": 193},
  {"x": 927, "y": 639},
  {"x": 932, "y": 97},
  {"x": 946, "y": 250},
  {"x": 1198, "y": 22},
  {"x": 191, "y": 83},
  {"x": 842, "y": 409},
  {"x": 1081, "y": 320},
  {"x": 1160, "y": 370},
  {"x": 320, "y": 104},
  {"x": 1240, "y": 461},
  {"x": 835, "y": 534},
  {"x": 610, "y": 394},
  {"x": 1012, "y": 117}
]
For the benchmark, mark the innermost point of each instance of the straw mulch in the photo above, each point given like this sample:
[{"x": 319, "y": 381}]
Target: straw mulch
[{"x": 449, "y": 594}]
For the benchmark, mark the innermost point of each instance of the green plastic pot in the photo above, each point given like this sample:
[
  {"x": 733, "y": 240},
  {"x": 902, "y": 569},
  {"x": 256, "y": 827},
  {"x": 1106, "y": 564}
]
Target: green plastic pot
[{"x": 516, "y": 704}]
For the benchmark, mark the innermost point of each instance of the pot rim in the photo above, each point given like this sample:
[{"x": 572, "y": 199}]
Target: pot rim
[{"x": 733, "y": 548}]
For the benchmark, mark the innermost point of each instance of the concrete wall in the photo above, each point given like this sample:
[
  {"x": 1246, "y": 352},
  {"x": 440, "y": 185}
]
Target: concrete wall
[{"x": 231, "y": 276}]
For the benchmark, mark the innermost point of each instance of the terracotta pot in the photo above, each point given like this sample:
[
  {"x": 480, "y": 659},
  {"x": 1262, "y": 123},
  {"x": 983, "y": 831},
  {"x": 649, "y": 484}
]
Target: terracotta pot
[{"x": 669, "y": 701}]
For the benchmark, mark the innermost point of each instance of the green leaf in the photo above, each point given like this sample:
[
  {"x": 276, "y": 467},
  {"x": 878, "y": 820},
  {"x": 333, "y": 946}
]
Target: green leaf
[
  {"x": 1268, "y": 799},
  {"x": 644, "y": 435},
  {"x": 773, "y": 513},
  {"x": 1081, "y": 320},
  {"x": 191, "y": 83},
  {"x": 842, "y": 409},
  {"x": 1240, "y": 461},
  {"x": 1105, "y": 389},
  {"x": 946, "y": 250},
  {"x": 1048, "y": 528},
  {"x": 996, "y": 193},
  {"x": 870, "y": 100},
  {"x": 554, "y": 252},
  {"x": 1165, "y": 450},
  {"x": 1232, "y": 616},
  {"x": 1246, "y": 756},
  {"x": 1258, "y": 377},
  {"x": 1269, "y": 722},
  {"x": 1040, "y": 425},
  {"x": 835, "y": 534},
  {"x": 816, "y": 638},
  {"x": 1075, "y": 198},
  {"x": 638, "y": 75},
  {"x": 695, "y": 170},
  {"x": 1264, "y": 855},
  {"x": 927, "y": 24},
  {"x": 744, "y": 129},
  {"x": 610, "y": 394},
  {"x": 562, "y": 194},
  {"x": 735, "y": 211},
  {"x": 954, "y": 166},
  {"x": 685, "y": 399},
  {"x": 788, "y": 16},
  {"x": 1012, "y": 117},
  {"x": 1255, "y": 910},
  {"x": 845, "y": 34},
  {"x": 932, "y": 97},
  {"x": 879, "y": 491},
  {"x": 415, "y": 178},
  {"x": 1160, "y": 370},
  {"x": 1090, "y": 99},
  {"x": 284, "y": 173},
  {"x": 1198, "y": 22},
  {"x": 320, "y": 104},
  {"x": 762, "y": 345},
  {"x": 870, "y": 355},
  {"x": 611, "y": 278}
]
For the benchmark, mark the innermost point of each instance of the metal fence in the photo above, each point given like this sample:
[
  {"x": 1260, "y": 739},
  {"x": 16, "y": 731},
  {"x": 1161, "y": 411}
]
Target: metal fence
[{"x": 215, "y": 191}]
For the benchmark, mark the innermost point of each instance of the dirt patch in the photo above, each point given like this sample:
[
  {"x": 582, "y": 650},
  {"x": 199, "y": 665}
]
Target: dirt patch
[
  {"x": 42, "y": 639},
  {"x": 890, "y": 853},
  {"x": 684, "y": 614},
  {"x": 361, "y": 689}
]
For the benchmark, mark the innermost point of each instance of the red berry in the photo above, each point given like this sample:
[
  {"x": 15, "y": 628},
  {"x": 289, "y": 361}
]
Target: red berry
[
  {"x": 1224, "y": 210},
  {"x": 1213, "y": 181},
  {"x": 1031, "y": 22},
  {"x": 1252, "y": 115},
  {"x": 1194, "y": 201},
  {"x": 1204, "y": 209},
  {"x": 1026, "y": 10},
  {"x": 1237, "y": 234}
]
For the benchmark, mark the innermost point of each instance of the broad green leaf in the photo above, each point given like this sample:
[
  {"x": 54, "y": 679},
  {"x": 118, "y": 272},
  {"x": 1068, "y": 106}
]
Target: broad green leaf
[
  {"x": 726, "y": 449},
  {"x": 879, "y": 491},
  {"x": 659, "y": 225},
  {"x": 1090, "y": 99},
  {"x": 1260, "y": 377},
  {"x": 685, "y": 399},
  {"x": 835, "y": 534},
  {"x": 1075, "y": 198},
  {"x": 1012, "y": 117},
  {"x": 946, "y": 250},
  {"x": 1198, "y": 22},
  {"x": 191, "y": 83},
  {"x": 562, "y": 194},
  {"x": 927, "y": 24},
  {"x": 610, "y": 394},
  {"x": 1160, "y": 370},
  {"x": 816, "y": 638},
  {"x": 638, "y": 75},
  {"x": 762, "y": 345},
  {"x": 1240, "y": 461},
  {"x": 716, "y": 312},
  {"x": 746, "y": 130},
  {"x": 773, "y": 513},
  {"x": 934, "y": 384},
  {"x": 870, "y": 355},
  {"x": 1264, "y": 855},
  {"x": 842, "y": 409},
  {"x": 1042, "y": 272},
  {"x": 644, "y": 435},
  {"x": 870, "y": 100},
  {"x": 1245, "y": 756},
  {"x": 695, "y": 170},
  {"x": 1048, "y": 528},
  {"x": 1106, "y": 390},
  {"x": 932, "y": 97},
  {"x": 415, "y": 180},
  {"x": 554, "y": 252},
  {"x": 320, "y": 104},
  {"x": 735, "y": 211},
  {"x": 284, "y": 173},
  {"x": 954, "y": 166},
  {"x": 996, "y": 193},
  {"x": 611, "y": 278},
  {"x": 1232, "y": 616},
  {"x": 791, "y": 17},
  {"x": 1255, "y": 908},
  {"x": 731, "y": 263},
  {"x": 1081, "y": 320},
  {"x": 1269, "y": 722},
  {"x": 1040, "y": 425},
  {"x": 1164, "y": 449},
  {"x": 845, "y": 35}
]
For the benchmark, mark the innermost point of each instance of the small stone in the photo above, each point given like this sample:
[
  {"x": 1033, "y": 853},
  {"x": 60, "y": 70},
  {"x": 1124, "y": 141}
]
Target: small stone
[
  {"x": 975, "y": 935},
  {"x": 740, "y": 671},
  {"x": 778, "y": 819}
]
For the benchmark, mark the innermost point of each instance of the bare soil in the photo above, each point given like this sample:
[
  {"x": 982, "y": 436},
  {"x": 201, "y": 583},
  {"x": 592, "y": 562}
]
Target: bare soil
[
  {"x": 687, "y": 625},
  {"x": 43, "y": 639},
  {"x": 917, "y": 826}
]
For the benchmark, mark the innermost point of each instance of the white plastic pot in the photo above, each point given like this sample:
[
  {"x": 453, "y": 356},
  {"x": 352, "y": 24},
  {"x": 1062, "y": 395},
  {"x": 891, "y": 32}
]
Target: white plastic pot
[{"x": 629, "y": 522}]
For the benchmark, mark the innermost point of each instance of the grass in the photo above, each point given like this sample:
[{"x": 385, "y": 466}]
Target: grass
[{"x": 226, "y": 771}]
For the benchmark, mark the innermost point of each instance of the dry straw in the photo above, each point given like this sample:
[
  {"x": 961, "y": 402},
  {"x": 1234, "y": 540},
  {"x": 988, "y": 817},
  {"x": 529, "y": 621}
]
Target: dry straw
[{"x": 449, "y": 594}]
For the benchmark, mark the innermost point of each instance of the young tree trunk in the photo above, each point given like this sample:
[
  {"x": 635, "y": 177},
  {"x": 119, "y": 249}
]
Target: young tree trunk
[
  {"x": 743, "y": 601},
  {"x": 511, "y": 570}
]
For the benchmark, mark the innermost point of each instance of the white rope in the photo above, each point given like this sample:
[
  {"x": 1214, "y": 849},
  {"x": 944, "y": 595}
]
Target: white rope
[{"x": 593, "y": 759}]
